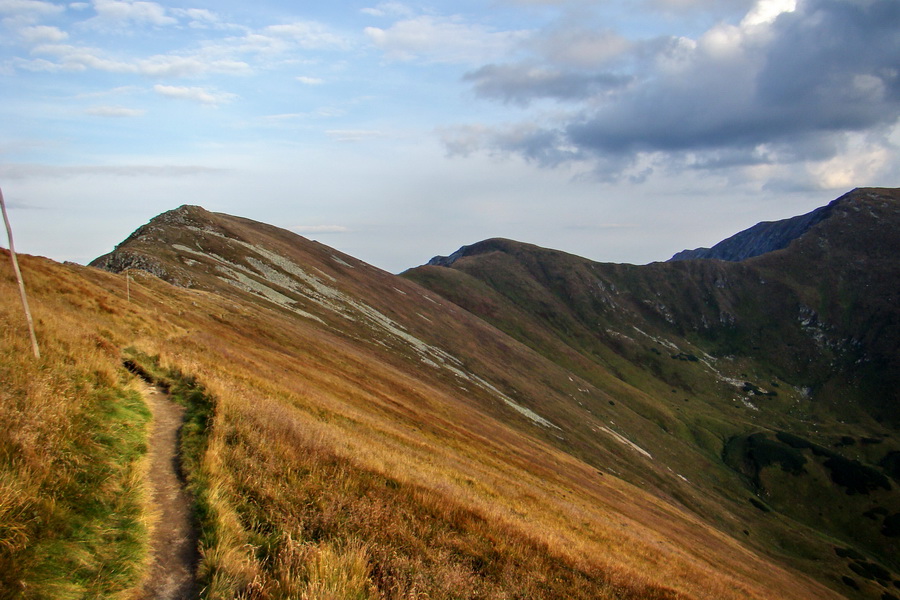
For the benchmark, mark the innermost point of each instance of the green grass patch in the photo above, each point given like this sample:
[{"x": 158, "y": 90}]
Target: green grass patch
[{"x": 86, "y": 537}]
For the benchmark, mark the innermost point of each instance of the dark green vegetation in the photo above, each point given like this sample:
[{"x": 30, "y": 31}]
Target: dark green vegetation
[{"x": 782, "y": 369}]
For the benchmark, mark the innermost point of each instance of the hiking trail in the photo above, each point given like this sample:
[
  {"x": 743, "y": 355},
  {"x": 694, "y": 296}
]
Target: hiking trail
[{"x": 174, "y": 539}]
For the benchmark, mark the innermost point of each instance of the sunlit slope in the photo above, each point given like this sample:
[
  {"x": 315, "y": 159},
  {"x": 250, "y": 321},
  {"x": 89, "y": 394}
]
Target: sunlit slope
[
  {"x": 368, "y": 439},
  {"x": 801, "y": 343}
]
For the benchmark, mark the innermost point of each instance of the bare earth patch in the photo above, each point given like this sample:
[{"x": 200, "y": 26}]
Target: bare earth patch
[{"x": 174, "y": 540}]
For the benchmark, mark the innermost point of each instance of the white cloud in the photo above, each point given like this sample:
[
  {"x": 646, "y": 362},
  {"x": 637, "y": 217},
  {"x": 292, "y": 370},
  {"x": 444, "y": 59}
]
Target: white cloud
[
  {"x": 310, "y": 80},
  {"x": 385, "y": 9},
  {"x": 115, "y": 111},
  {"x": 188, "y": 66},
  {"x": 19, "y": 13},
  {"x": 40, "y": 34},
  {"x": 278, "y": 40},
  {"x": 113, "y": 13},
  {"x": 29, "y": 7},
  {"x": 266, "y": 47},
  {"x": 195, "y": 94},
  {"x": 82, "y": 58},
  {"x": 74, "y": 58},
  {"x": 766, "y": 11},
  {"x": 442, "y": 40},
  {"x": 306, "y": 34},
  {"x": 864, "y": 162},
  {"x": 201, "y": 18}
]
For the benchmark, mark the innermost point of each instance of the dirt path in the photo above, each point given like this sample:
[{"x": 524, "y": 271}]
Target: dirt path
[{"x": 174, "y": 541}]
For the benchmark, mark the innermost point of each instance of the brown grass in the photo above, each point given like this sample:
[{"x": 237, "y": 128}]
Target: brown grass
[
  {"x": 72, "y": 437},
  {"x": 333, "y": 470}
]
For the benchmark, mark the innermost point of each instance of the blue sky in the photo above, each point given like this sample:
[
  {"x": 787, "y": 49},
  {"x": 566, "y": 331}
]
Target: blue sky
[{"x": 622, "y": 131}]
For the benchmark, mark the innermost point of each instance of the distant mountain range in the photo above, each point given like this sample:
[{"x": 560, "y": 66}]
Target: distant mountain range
[{"x": 514, "y": 421}]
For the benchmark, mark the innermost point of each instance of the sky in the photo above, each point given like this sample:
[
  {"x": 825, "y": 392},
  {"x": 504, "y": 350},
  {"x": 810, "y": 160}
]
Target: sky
[{"x": 618, "y": 130}]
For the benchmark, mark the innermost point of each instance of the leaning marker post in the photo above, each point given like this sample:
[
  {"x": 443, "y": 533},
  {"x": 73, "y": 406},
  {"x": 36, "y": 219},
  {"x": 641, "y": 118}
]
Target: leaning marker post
[{"x": 15, "y": 263}]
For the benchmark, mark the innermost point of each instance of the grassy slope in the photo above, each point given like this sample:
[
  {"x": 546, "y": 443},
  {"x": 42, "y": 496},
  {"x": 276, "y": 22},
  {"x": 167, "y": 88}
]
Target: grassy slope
[
  {"x": 333, "y": 465},
  {"x": 72, "y": 506},
  {"x": 635, "y": 321}
]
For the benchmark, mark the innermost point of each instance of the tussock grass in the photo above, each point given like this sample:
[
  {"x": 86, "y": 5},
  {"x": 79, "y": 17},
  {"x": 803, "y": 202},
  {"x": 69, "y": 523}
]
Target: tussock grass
[{"x": 316, "y": 523}]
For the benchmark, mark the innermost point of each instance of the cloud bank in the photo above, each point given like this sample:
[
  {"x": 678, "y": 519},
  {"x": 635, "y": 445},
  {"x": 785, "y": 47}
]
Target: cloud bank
[
  {"x": 792, "y": 82},
  {"x": 441, "y": 40}
]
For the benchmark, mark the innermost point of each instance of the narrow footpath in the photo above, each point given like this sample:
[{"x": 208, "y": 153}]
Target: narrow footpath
[{"x": 174, "y": 541}]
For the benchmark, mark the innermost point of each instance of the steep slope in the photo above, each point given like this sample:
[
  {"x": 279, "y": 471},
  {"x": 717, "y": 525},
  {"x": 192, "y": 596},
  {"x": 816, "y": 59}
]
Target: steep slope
[
  {"x": 354, "y": 435},
  {"x": 775, "y": 376},
  {"x": 846, "y": 277}
]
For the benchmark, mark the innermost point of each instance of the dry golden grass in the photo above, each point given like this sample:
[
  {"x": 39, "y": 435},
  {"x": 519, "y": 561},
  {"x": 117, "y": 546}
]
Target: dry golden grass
[
  {"x": 72, "y": 437},
  {"x": 333, "y": 470}
]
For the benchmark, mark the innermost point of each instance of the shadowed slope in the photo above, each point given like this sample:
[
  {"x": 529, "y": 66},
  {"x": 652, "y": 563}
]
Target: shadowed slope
[{"x": 804, "y": 339}]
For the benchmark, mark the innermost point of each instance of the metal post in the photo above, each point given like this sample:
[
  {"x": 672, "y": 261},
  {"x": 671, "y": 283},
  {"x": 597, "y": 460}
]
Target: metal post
[{"x": 15, "y": 262}]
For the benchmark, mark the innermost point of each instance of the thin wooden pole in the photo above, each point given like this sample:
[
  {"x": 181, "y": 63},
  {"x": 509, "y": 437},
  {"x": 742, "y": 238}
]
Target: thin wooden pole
[{"x": 15, "y": 262}]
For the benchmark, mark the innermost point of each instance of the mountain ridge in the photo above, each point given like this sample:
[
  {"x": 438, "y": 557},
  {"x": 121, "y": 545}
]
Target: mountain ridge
[
  {"x": 305, "y": 280},
  {"x": 762, "y": 238},
  {"x": 813, "y": 324},
  {"x": 712, "y": 298},
  {"x": 517, "y": 422},
  {"x": 769, "y": 236}
]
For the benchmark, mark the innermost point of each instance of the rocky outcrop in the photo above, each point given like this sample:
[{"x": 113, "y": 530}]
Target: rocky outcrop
[
  {"x": 118, "y": 261},
  {"x": 140, "y": 250},
  {"x": 446, "y": 261}
]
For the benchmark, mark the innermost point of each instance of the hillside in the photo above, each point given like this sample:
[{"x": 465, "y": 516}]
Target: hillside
[
  {"x": 521, "y": 423},
  {"x": 779, "y": 373}
]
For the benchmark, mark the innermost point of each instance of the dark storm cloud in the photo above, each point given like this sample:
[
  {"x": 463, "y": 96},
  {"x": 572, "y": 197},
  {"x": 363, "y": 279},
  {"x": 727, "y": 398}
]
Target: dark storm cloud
[
  {"x": 521, "y": 84},
  {"x": 834, "y": 66},
  {"x": 751, "y": 94},
  {"x": 717, "y": 8}
]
